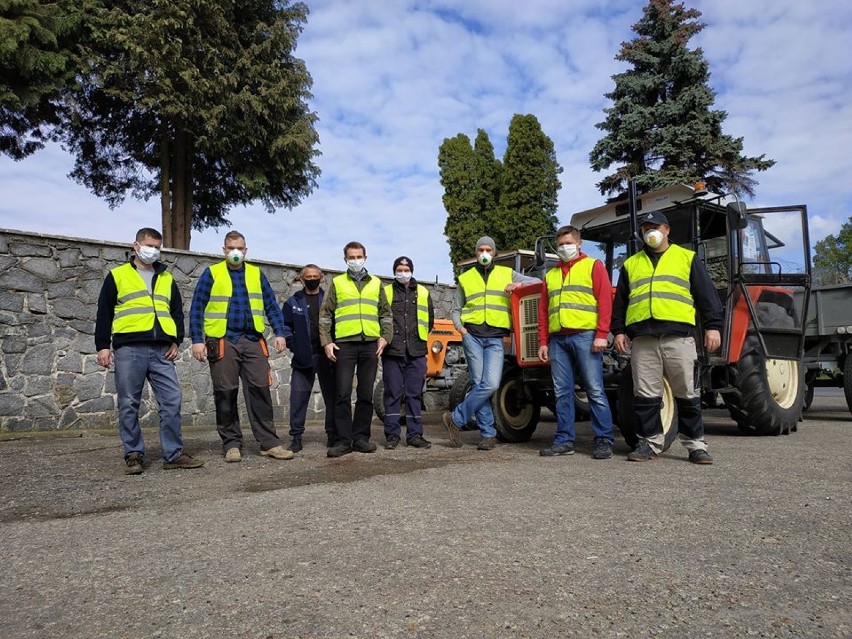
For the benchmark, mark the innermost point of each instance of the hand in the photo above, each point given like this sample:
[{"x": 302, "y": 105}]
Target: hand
[
  {"x": 171, "y": 352},
  {"x": 463, "y": 331},
  {"x": 543, "y": 353},
  {"x": 599, "y": 345},
  {"x": 329, "y": 351},
  {"x": 199, "y": 352},
  {"x": 105, "y": 357},
  {"x": 280, "y": 344},
  {"x": 621, "y": 343},
  {"x": 381, "y": 344},
  {"x": 511, "y": 286},
  {"x": 712, "y": 340}
]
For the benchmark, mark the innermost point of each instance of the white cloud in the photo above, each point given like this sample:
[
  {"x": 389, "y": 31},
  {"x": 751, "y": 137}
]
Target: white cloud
[{"x": 393, "y": 79}]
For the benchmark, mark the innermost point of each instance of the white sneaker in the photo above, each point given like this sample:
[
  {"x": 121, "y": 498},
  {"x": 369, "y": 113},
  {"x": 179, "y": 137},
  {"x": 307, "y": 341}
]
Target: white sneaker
[{"x": 233, "y": 455}]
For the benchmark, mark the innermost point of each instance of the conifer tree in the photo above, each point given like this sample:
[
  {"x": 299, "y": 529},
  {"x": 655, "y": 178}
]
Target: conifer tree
[{"x": 661, "y": 128}]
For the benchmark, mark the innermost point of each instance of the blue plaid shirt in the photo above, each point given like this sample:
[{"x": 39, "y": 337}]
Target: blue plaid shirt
[{"x": 240, "y": 322}]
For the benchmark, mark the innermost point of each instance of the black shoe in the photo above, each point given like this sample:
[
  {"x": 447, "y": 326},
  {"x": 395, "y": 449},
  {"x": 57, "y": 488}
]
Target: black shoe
[
  {"x": 418, "y": 441},
  {"x": 183, "y": 461},
  {"x": 603, "y": 449},
  {"x": 700, "y": 457},
  {"x": 133, "y": 464},
  {"x": 339, "y": 450},
  {"x": 392, "y": 443},
  {"x": 642, "y": 453},
  {"x": 295, "y": 444},
  {"x": 557, "y": 449},
  {"x": 486, "y": 443},
  {"x": 363, "y": 446},
  {"x": 329, "y": 441},
  {"x": 452, "y": 430}
]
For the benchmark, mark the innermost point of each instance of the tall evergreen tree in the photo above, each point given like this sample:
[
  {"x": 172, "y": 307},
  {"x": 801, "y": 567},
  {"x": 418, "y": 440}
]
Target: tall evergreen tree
[
  {"x": 661, "y": 128},
  {"x": 529, "y": 187},
  {"x": 36, "y": 62},
  {"x": 201, "y": 102}
]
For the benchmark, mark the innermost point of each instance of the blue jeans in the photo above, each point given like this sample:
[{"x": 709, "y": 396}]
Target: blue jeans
[
  {"x": 484, "y": 357},
  {"x": 566, "y": 353},
  {"x": 133, "y": 365}
]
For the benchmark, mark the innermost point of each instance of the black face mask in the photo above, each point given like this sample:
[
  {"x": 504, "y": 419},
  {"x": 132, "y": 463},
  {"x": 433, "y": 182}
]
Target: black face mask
[{"x": 311, "y": 285}]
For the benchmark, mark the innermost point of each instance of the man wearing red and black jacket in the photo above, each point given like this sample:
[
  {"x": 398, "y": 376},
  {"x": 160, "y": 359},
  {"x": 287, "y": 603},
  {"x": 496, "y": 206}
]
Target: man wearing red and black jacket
[{"x": 574, "y": 315}]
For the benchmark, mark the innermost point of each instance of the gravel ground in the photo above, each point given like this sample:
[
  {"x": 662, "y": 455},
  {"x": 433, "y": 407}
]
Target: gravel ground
[{"x": 438, "y": 543}]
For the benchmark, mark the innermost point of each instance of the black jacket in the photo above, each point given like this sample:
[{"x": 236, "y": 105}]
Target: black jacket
[
  {"x": 406, "y": 340},
  {"x": 106, "y": 311},
  {"x": 704, "y": 294},
  {"x": 298, "y": 328}
]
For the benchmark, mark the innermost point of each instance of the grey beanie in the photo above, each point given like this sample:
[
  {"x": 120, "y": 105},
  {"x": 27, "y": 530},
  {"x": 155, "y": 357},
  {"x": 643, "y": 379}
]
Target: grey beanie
[{"x": 486, "y": 241}]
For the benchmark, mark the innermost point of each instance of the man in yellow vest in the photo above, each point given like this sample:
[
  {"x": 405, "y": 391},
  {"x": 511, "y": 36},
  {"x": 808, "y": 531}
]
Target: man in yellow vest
[
  {"x": 404, "y": 360},
  {"x": 573, "y": 325},
  {"x": 355, "y": 327},
  {"x": 226, "y": 324},
  {"x": 659, "y": 291},
  {"x": 139, "y": 327},
  {"x": 482, "y": 313}
]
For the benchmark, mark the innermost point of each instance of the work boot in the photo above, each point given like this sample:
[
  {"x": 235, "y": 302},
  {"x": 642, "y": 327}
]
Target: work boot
[
  {"x": 233, "y": 455},
  {"x": 643, "y": 452},
  {"x": 277, "y": 452},
  {"x": 363, "y": 446},
  {"x": 295, "y": 444},
  {"x": 183, "y": 461},
  {"x": 452, "y": 430},
  {"x": 487, "y": 443},
  {"x": 133, "y": 464},
  {"x": 557, "y": 449},
  {"x": 700, "y": 457},
  {"x": 603, "y": 449},
  {"x": 418, "y": 441},
  {"x": 391, "y": 443},
  {"x": 339, "y": 450}
]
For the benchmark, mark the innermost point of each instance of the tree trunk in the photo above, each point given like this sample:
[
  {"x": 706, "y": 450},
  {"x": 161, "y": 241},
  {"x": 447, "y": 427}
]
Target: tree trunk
[
  {"x": 187, "y": 225},
  {"x": 179, "y": 192},
  {"x": 165, "y": 207}
]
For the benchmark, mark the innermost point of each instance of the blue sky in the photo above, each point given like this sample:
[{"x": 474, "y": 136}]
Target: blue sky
[{"x": 393, "y": 78}]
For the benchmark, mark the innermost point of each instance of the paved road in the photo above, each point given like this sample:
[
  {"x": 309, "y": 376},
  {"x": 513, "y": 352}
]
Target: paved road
[{"x": 440, "y": 543}]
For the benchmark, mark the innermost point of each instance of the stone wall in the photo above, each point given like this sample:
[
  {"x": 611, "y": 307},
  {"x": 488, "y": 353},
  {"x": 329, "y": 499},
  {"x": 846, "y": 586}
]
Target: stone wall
[{"x": 49, "y": 377}]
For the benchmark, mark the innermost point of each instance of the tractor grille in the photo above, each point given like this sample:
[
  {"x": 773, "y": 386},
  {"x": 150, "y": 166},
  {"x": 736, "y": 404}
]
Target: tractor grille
[{"x": 528, "y": 330}]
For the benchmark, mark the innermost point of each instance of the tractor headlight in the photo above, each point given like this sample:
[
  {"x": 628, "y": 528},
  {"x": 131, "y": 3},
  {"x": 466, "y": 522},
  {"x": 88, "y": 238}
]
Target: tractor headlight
[{"x": 437, "y": 346}]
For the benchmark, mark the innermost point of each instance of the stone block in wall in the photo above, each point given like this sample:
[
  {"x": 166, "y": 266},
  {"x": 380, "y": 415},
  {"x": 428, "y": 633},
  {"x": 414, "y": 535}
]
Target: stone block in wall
[
  {"x": 90, "y": 364},
  {"x": 98, "y": 405},
  {"x": 69, "y": 418},
  {"x": 115, "y": 254},
  {"x": 7, "y": 262},
  {"x": 15, "y": 424},
  {"x": 89, "y": 291},
  {"x": 37, "y": 303},
  {"x": 38, "y": 360},
  {"x": 14, "y": 344},
  {"x": 16, "y": 279},
  {"x": 68, "y": 257},
  {"x": 83, "y": 344},
  {"x": 42, "y": 406},
  {"x": 11, "y": 405},
  {"x": 26, "y": 249},
  {"x": 44, "y": 267},
  {"x": 16, "y": 382},
  {"x": 37, "y": 330},
  {"x": 13, "y": 302},
  {"x": 4, "y": 244},
  {"x": 37, "y": 385},
  {"x": 87, "y": 250},
  {"x": 71, "y": 362},
  {"x": 61, "y": 289},
  {"x": 70, "y": 308},
  {"x": 90, "y": 386},
  {"x": 64, "y": 390},
  {"x": 85, "y": 326}
]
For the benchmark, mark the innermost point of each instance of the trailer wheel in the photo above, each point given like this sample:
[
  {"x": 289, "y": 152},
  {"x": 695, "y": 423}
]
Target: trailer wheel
[
  {"x": 516, "y": 413},
  {"x": 809, "y": 397},
  {"x": 458, "y": 390},
  {"x": 770, "y": 392},
  {"x": 847, "y": 380},
  {"x": 379, "y": 403},
  {"x": 582, "y": 410},
  {"x": 626, "y": 420}
]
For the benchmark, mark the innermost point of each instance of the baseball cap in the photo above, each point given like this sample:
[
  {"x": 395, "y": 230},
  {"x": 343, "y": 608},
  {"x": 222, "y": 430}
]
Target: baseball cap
[{"x": 654, "y": 217}]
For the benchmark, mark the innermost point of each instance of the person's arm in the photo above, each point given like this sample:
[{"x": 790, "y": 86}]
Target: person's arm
[
  {"x": 543, "y": 316},
  {"x": 456, "y": 308},
  {"x": 326, "y": 316},
  {"x": 603, "y": 294},
  {"x": 619, "y": 304},
  {"x": 707, "y": 301},
  {"x": 431, "y": 312},
  {"x": 289, "y": 323},
  {"x": 520, "y": 279},
  {"x": 107, "y": 300},
  {"x": 176, "y": 310},
  {"x": 271, "y": 308},
  {"x": 200, "y": 298}
]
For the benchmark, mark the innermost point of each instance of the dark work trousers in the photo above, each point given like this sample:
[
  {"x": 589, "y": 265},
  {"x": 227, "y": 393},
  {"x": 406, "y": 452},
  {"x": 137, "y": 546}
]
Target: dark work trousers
[
  {"x": 352, "y": 357},
  {"x": 243, "y": 362},
  {"x": 403, "y": 379},
  {"x": 301, "y": 387}
]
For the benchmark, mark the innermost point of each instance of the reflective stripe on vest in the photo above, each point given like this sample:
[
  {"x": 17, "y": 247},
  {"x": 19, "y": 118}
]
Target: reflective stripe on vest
[
  {"x": 487, "y": 302},
  {"x": 357, "y": 312},
  {"x": 136, "y": 307},
  {"x": 571, "y": 302},
  {"x": 216, "y": 311},
  {"x": 422, "y": 309},
  {"x": 663, "y": 292}
]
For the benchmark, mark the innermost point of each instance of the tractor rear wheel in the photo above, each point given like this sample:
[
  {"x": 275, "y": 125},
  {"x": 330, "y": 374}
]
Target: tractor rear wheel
[
  {"x": 516, "y": 413},
  {"x": 627, "y": 420},
  {"x": 770, "y": 392}
]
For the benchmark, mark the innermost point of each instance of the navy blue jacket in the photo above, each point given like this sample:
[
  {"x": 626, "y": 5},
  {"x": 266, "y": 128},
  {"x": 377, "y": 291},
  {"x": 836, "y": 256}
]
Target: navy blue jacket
[{"x": 298, "y": 328}]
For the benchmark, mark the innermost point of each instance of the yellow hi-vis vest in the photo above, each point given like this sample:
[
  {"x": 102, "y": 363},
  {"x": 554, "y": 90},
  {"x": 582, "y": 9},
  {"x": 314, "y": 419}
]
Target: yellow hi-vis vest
[
  {"x": 571, "y": 302},
  {"x": 662, "y": 293},
  {"x": 487, "y": 302},
  {"x": 422, "y": 309},
  {"x": 357, "y": 312},
  {"x": 216, "y": 311},
  {"x": 136, "y": 308}
]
